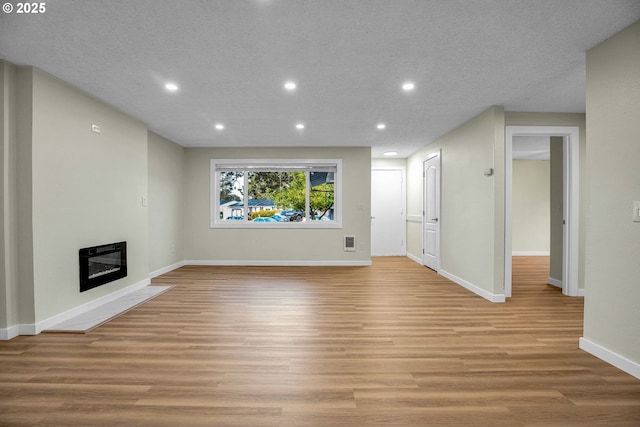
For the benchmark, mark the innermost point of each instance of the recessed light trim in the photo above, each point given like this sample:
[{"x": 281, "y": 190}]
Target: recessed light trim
[
  {"x": 408, "y": 86},
  {"x": 290, "y": 85},
  {"x": 219, "y": 126},
  {"x": 171, "y": 87},
  {"x": 300, "y": 126},
  {"x": 381, "y": 126},
  {"x": 390, "y": 153}
]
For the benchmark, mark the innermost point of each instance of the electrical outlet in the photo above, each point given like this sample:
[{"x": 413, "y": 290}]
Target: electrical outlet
[{"x": 636, "y": 211}]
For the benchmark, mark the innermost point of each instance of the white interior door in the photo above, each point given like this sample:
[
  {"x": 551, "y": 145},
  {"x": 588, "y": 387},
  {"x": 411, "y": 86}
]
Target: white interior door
[
  {"x": 387, "y": 213},
  {"x": 431, "y": 213}
]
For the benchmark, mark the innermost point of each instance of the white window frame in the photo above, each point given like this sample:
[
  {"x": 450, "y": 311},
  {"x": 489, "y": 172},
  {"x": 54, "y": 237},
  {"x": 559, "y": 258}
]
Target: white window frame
[{"x": 216, "y": 222}]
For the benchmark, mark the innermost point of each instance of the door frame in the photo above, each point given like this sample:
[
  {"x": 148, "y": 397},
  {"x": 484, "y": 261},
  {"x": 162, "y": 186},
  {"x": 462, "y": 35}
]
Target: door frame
[
  {"x": 571, "y": 208},
  {"x": 403, "y": 170},
  {"x": 428, "y": 157}
]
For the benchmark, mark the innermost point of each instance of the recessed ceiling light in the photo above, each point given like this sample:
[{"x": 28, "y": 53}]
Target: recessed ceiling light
[
  {"x": 300, "y": 126},
  {"x": 290, "y": 85},
  {"x": 390, "y": 153},
  {"x": 171, "y": 87},
  {"x": 381, "y": 126},
  {"x": 408, "y": 86},
  {"x": 219, "y": 126}
]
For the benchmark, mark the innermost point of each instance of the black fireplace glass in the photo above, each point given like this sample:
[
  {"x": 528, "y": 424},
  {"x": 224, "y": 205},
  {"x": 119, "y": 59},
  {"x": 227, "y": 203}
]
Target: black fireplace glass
[{"x": 102, "y": 264}]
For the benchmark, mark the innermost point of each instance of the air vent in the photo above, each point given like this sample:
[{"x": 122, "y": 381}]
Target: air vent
[{"x": 349, "y": 243}]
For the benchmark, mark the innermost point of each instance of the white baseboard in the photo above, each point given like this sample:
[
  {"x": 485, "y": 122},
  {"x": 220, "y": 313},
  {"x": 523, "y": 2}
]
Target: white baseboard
[
  {"x": 558, "y": 283},
  {"x": 278, "y": 263},
  {"x": 620, "y": 362},
  {"x": 473, "y": 288},
  {"x": 530, "y": 253},
  {"x": 554, "y": 282},
  {"x": 9, "y": 333},
  {"x": 36, "y": 328},
  {"x": 166, "y": 269},
  {"x": 414, "y": 258}
]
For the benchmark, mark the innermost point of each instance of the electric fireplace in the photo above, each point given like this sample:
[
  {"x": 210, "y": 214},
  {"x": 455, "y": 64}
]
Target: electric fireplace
[{"x": 102, "y": 264}]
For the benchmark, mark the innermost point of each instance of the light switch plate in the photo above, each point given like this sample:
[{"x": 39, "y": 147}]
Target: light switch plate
[{"x": 636, "y": 211}]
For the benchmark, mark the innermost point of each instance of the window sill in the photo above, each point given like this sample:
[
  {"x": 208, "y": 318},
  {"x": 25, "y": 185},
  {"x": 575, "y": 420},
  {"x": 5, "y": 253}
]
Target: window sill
[{"x": 278, "y": 225}]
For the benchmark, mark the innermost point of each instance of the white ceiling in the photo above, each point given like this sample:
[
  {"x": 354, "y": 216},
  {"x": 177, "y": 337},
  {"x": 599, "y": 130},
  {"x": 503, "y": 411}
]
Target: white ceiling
[{"x": 230, "y": 59}]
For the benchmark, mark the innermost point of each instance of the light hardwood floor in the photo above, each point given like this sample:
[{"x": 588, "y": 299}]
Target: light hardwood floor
[{"x": 393, "y": 344}]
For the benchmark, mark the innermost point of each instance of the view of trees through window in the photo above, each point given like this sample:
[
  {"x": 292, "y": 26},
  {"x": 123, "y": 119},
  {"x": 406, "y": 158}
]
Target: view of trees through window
[{"x": 259, "y": 195}]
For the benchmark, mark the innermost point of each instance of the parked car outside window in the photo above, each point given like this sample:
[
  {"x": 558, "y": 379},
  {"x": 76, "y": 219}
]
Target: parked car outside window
[{"x": 264, "y": 219}]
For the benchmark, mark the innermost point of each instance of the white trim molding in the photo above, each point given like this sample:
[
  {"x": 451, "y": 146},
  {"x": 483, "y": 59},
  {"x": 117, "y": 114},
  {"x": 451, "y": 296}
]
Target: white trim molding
[
  {"x": 59, "y": 318},
  {"x": 558, "y": 283},
  {"x": 620, "y": 362},
  {"x": 257, "y": 263},
  {"x": 554, "y": 282},
  {"x": 412, "y": 257},
  {"x": 166, "y": 269},
  {"x": 9, "y": 333},
  {"x": 530, "y": 253},
  {"x": 36, "y": 328},
  {"x": 473, "y": 288},
  {"x": 278, "y": 263}
]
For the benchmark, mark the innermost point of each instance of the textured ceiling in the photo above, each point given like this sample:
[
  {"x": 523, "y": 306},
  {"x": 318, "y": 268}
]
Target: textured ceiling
[{"x": 230, "y": 59}]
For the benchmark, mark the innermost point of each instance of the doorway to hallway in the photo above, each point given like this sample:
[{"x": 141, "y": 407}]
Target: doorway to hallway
[{"x": 570, "y": 181}]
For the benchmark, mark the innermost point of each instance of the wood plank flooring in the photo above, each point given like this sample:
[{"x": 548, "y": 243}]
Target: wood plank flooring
[{"x": 389, "y": 345}]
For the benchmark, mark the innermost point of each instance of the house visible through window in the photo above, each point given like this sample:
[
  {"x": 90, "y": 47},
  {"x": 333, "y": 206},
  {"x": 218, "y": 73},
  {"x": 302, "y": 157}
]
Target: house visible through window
[{"x": 279, "y": 194}]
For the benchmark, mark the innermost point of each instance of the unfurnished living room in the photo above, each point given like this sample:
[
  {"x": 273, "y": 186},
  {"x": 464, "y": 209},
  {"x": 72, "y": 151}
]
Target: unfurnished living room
[{"x": 289, "y": 213}]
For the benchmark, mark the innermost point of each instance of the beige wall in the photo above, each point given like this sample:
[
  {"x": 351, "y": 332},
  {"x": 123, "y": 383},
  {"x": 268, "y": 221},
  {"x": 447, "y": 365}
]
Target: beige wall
[
  {"x": 530, "y": 206},
  {"x": 471, "y": 203},
  {"x": 75, "y": 189},
  {"x": 24, "y": 196},
  {"x": 166, "y": 202},
  {"x": 8, "y": 196},
  {"x": 612, "y": 300},
  {"x": 203, "y": 243}
]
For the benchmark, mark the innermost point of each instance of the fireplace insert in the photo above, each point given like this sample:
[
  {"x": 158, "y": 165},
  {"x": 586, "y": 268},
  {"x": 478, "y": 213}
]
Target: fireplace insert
[{"x": 102, "y": 264}]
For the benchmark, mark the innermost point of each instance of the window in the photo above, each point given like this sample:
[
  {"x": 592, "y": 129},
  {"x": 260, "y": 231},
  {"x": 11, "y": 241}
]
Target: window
[{"x": 276, "y": 193}]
